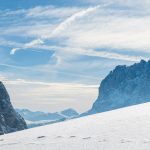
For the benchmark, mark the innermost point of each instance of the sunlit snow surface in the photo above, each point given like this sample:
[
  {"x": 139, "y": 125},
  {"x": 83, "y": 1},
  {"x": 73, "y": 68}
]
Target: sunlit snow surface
[{"x": 122, "y": 129}]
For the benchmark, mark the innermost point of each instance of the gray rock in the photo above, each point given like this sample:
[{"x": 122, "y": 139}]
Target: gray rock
[
  {"x": 10, "y": 120},
  {"x": 124, "y": 86}
]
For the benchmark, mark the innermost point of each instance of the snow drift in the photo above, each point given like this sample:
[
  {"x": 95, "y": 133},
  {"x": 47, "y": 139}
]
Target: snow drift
[{"x": 121, "y": 129}]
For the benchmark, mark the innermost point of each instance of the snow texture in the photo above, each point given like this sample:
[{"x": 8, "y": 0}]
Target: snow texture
[{"x": 122, "y": 129}]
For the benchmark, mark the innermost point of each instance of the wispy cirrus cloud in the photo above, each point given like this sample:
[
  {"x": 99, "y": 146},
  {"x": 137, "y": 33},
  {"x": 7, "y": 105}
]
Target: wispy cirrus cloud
[
  {"x": 118, "y": 32},
  {"x": 51, "y": 12},
  {"x": 70, "y": 20},
  {"x": 106, "y": 30},
  {"x": 109, "y": 55},
  {"x": 83, "y": 44},
  {"x": 97, "y": 31},
  {"x": 28, "y": 45},
  {"x": 60, "y": 28}
]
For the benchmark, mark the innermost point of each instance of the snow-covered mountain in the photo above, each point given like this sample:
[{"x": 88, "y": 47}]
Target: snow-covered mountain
[
  {"x": 39, "y": 118},
  {"x": 10, "y": 120},
  {"x": 69, "y": 113},
  {"x": 121, "y": 129},
  {"x": 124, "y": 86}
]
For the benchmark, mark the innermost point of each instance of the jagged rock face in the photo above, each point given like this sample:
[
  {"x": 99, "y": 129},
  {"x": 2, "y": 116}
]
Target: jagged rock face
[
  {"x": 124, "y": 86},
  {"x": 10, "y": 121}
]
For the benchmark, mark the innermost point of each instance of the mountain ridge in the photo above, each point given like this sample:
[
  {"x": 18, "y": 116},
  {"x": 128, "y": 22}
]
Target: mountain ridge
[
  {"x": 124, "y": 86},
  {"x": 39, "y": 118},
  {"x": 10, "y": 120}
]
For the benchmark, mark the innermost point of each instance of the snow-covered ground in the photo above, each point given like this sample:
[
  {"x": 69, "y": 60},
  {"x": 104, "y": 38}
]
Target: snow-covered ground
[{"x": 122, "y": 129}]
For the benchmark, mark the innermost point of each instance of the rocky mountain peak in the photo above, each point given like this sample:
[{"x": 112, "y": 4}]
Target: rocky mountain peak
[
  {"x": 124, "y": 86},
  {"x": 10, "y": 121}
]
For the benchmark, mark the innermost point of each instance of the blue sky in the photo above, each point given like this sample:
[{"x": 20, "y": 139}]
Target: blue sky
[
  {"x": 18, "y": 4},
  {"x": 54, "y": 54}
]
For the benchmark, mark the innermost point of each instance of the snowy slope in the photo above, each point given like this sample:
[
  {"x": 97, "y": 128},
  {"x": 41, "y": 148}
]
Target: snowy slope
[{"x": 122, "y": 129}]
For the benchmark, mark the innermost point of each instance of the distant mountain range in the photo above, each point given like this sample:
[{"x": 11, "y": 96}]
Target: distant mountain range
[
  {"x": 124, "y": 86},
  {"x": 38, "y": 118}
]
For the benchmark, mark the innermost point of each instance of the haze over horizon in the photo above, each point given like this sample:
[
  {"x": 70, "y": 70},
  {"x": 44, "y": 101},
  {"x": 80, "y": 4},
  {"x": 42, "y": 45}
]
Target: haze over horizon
[{"x": 54, "y": 54}]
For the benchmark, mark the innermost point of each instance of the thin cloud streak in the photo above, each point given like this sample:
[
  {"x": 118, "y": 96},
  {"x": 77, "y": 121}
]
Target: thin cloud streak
[
  {"x": 47, "y": 71},
  {"x": 60, "y": 85},
  {"x": 60, "y": 28},
  {"x": 28, "y": 45},
  {"x": 69, "y": 21},
  {"x": 99, "y": 38},
  {"x": 101, "y": 54},
  {"x": 112, "y": 55}
]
